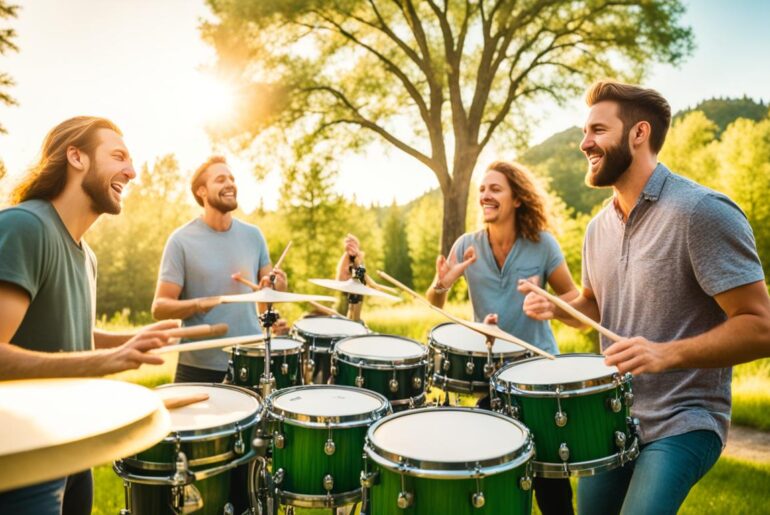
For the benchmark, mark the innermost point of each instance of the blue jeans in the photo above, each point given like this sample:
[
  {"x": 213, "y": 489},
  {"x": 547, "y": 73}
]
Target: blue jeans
[
  {"x": 71, "y": 495},
  {"x": 657, "y": 482}
]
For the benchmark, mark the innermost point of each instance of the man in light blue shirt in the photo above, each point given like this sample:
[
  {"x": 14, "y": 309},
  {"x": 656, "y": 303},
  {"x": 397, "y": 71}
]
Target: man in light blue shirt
[{"x": 199, "y": 259}]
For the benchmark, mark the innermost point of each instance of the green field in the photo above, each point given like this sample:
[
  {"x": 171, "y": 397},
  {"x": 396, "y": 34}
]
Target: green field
[{"x": 732, "y": 486}]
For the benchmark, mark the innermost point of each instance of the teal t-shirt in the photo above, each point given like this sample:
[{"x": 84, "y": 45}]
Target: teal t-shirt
[
  {"x": 38, "y": 254},
  {"x": 494, "y": 290},
  {"x": 201, "y": 261}
]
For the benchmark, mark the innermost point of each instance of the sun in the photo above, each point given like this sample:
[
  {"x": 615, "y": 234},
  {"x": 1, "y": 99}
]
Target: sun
[{"x": 214, "y": 99}]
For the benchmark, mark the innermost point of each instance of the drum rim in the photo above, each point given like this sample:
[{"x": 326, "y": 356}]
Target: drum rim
[
  {"x": 326, "y": 421},
  {"x": 368, "y": 361},
  {"x": 450, "y": 384},
  {"x": 214, "y": 432},
  {"x": 432, "y": 342},
  {"x": 258, "y": 349},
  {"x": 570, "y": 389},
  {"x": 300, "y": 332},
  {"x": 452, "y": 470}
]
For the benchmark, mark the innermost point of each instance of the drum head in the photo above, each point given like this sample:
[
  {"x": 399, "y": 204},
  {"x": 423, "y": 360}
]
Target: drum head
[
  {"x": 465, "y": 436},
  {"x": 330, "y": 326},
  {"x": 226, "y": 405},
  {"x": 463, "y": 340},
  {"x": 565, "y": 369},
  {"x": 381, "y": 347},
  {"x": 326, "y": 401},
  {"x": 277, "y": 345}
]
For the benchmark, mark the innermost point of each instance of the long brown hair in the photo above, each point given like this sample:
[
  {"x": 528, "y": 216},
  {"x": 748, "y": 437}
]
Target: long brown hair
[
  {"x": 47, "y": 178},
  {"x": 531, "y": 215}
]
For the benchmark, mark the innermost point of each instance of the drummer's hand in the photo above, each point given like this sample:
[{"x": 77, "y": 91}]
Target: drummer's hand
[
  {"x": 134, "y": 353},
  {"x": 637, "y": 355},
  {"x": 281, "y": 327},
  {"x": 535, "y": 305},
  {"x": 491, "y": 319},
  {"x": 206, "y": 304},
  {"x": 163, "y": 325},
  {"x": 449, "y": 270},
  {"x": 352, "y": 247},
  {"x": 281, "y": 282}
]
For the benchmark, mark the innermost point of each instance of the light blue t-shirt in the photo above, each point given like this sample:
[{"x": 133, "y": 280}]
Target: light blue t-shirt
[
  {"x": 201, "y": 261},
  {"x": 493, "y": 290}
]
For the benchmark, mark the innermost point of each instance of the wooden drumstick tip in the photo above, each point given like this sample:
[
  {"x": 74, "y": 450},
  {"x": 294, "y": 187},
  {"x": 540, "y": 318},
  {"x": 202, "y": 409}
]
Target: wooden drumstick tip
[{"x": 185, "y": 400}]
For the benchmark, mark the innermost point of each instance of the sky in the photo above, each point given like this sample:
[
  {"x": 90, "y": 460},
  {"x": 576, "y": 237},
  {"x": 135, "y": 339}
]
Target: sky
[{"x": 141, "y": 63}]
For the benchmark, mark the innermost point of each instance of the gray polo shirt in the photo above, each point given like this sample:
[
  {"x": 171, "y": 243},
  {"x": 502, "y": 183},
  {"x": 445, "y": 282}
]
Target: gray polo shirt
[{"x": 656, "y": 275}]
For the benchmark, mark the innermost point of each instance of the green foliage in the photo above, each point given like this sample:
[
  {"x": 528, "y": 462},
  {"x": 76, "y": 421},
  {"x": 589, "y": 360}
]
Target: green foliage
[
  {"x": 724, "y": 111},
  {"x": 424, "y": 237},
  {"x": 7, "y": 35},
  {"x": 397, "y": 260},
  {"x": 437, "y": 82},
  {"x": 690, "y": 149},
  {"x": 129, "y": 246},
  {"x": 560, "y": 160}
]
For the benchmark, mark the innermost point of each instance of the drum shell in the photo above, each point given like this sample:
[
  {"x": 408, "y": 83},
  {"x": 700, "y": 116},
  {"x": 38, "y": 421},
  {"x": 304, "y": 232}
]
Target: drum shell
[
  {"x": 502, "y": 492},
  {"x": 318, "y": 348},
  {"x": 158, "y": 499},
  {"x": 591, "y": 427},
  {"x": 254, "y": 365},
  {"x": 378, "y": 380},
  {"x": 305, "y": 463}
]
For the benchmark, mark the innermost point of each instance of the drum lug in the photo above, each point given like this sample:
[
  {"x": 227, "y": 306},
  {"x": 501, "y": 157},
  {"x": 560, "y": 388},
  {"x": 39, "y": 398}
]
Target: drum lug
[
  {"x": 478, "y": 500},
  {"x": 629, "y": 398},
  {"x": 614, "y": 404},
  {"x": 489, "y": 369},
  {"x": 243, "y": 374},
  {"x": 328, "y": 482},
  {"x": 620, "y": 440},
  {"x": 230, "y": 375},
  {"x": 416, "y": 382},
  {"x": 633, "y": 426},
  {"x": 329, "y": 446},
  {"x": 187, "y": 499},
  {"x": 393, "y": 385},
  {"x": 560, "y": 419},
  {"x": 310, "y": 365},
  {"x": 182, "y": 475},
  {"x": 564, "y": 452},
  {"x": 360, "y": 381},
  {"x": 470, "y": 366},
  {"x": 405, "y": 500},
  {"x": 525, "y": 483},
  {"x": 229, "y": 510},
  {"x": 445, "y": 362},
  {"x": 279, "y": 440},
  {"x": 239, "y": 446},
  {"x": 333, "y": 364},
  {"x": 369, "y": 479},
  {"x": 495, "y": 403},
  {"x": 284, "y": 368},
  {"x": 278, "y": 476}
]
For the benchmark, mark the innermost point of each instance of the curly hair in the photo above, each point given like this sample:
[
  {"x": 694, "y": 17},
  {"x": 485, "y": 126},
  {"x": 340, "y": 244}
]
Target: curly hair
[{"x": 531, "y": 215}]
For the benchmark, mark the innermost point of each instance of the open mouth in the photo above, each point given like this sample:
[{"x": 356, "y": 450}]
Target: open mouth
[
  {"x": 117, "y": 187},
  {"x": 230, "y": 195}
]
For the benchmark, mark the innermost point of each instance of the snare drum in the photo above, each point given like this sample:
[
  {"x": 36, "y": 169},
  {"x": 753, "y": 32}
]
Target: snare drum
[
  {"x": 577, "y": 409},
  {"x": 394, "y": 366},
  {"x": 247, "y": 363},
  {"x": 190, "y": 470},
  {"x": 319, "y": 335},
  {"x": 449, "y": 461},
  {"x": 318, "y": 441},
  {"x": 461, "y": 360}
]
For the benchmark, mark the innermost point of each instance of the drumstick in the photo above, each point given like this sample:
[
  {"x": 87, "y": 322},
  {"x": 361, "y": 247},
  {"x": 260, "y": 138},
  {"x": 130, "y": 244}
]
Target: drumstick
[
  {"x": 209, "y": 344},
  {"x": 198, "y": 331},
  {"x": 498, "y": 333},
  {"x": 280, "y": 259},
  {"x": 243, "y": 280},
  {"x": 185, "y": 400},
  {"x": 573, "y": 312},
  {"x": 325, "y": 310},
  {"x": 387, "y": 289}
]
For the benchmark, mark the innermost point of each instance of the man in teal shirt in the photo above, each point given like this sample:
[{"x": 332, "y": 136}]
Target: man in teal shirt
[{"x": 48, "y": 283}]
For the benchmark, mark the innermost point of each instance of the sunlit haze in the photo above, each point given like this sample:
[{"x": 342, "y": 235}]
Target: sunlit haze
[{"x": 142, "y": 64}]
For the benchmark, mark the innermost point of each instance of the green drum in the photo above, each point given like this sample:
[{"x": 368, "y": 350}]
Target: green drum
[
  {"x": 189, "y": 471},
  {"x": 394, "y": 366},
  {"x": 577, "y": 409},
  {"x": 319, "y": 335},
  {"x": 318, "y": 441},
  {"x": 461, "y": 361},
  {"x": 247, "y": 363},
  {"x": 453, "y": 461}
]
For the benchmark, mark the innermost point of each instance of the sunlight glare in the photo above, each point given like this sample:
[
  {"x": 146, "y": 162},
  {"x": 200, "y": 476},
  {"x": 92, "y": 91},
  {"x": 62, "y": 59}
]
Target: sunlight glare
[{"x": 213, "y": 99}]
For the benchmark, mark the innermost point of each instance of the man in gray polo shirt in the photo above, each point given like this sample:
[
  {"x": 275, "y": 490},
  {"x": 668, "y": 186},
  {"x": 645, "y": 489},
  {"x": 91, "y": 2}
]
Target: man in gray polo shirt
[{"x": 673, "y": 266}]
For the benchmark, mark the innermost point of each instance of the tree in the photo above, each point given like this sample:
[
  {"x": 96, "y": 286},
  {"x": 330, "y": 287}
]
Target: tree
[
  {"x": 437, "y": 80},
  {"x": 7, "y": 35},
  {"x": 690, "y": 149},
  {"x": 397, "y": 260},
  {"x": 724, "y": 111}
]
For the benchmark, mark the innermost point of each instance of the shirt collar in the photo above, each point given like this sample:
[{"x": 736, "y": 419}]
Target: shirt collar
[{"x": 655, "y": 183}]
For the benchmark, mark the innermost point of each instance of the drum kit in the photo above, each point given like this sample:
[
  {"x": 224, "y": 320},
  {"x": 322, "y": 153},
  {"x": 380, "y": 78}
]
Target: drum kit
[{"x": 335, "y": 417}]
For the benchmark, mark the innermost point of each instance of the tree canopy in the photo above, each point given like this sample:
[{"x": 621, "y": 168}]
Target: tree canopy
[
  {"x": 436, "y": 80},
  {"x": 7, "y": 35}
]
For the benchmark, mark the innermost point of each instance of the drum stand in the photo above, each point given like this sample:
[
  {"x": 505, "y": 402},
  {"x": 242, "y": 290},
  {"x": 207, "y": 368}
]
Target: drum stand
[
  {"x": 267, "y": 381},
  {"x": 357, "y": 272}
]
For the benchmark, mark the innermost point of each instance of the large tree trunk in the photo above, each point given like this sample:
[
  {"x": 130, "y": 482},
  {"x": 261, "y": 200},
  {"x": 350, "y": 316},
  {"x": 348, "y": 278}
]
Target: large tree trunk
[{"x": 455, "y": 209}]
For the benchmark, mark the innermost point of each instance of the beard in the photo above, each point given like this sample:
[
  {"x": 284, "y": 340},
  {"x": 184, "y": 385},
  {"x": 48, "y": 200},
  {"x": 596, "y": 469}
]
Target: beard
[
  {"x": 221, "y": 204},
  {"x": 616, "y": 161},
  {"x": 100, "y": 193}
]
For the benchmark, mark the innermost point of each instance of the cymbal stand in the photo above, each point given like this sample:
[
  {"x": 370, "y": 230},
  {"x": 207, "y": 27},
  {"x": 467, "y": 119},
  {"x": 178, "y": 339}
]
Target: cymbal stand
[
  {"x": 357, "y": 272},
  {"x": 267, "y": 320}
]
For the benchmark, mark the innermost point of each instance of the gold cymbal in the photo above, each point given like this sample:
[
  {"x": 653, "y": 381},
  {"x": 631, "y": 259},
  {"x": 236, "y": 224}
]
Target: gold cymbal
[
  {"x": 354, "y": 287},
  {"x": 271, "y": 296}
]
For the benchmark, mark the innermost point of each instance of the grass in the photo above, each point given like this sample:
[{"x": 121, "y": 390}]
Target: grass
[{"x": 732, "y": 486}]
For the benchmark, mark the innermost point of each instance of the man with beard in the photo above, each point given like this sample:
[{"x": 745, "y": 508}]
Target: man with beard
[
  {"x": 48, "y": 283},
  {"x": 672, "y": 266},
  {"x": 199, "y": 259}
]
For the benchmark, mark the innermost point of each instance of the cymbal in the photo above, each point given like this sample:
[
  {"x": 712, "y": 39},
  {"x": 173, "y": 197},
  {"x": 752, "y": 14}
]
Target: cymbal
[
  {"x": 271, "y": 296},
  {"x": 210, "y": 344},
  {"x": 55, "y": 427},
  {"x": 354, "y": 287}
]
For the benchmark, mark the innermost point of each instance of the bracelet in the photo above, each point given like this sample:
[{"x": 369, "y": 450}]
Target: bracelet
[{"x": 439, "y": 289}]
